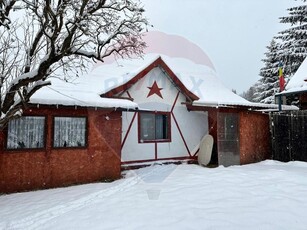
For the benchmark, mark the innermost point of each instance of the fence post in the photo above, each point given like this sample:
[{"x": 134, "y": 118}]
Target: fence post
[
  {"x": 290, "y": 135},
  {"x": 279, "y": 103},
  {"x": 271, "y": 124}
]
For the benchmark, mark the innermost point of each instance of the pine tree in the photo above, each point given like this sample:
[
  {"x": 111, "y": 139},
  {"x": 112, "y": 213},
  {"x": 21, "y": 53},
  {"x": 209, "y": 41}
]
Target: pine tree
[
  {"x": 289, "y": 47},
  {"x": 268, "y": 84},
  {"x": 249, "y": 94},
  {"x": 293, "y": 49}
]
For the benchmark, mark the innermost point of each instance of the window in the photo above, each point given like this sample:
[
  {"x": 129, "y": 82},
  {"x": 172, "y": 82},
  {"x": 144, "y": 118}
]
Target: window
[
  {"x": 69, "y": 132},
  {"x": 231, "y": 126},
  {"x": 154, "y": 127},
  {"x": 26, "y": 132}
]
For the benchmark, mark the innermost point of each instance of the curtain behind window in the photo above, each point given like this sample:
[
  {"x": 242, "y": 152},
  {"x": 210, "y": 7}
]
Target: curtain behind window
[
  {"x": 26, "y": 132},
  {"x": 147, "y": 126},
  {"x": 69, "y": 131},
  {"x": 161, "y": 126},
  {"x": 153, "y": 126}
]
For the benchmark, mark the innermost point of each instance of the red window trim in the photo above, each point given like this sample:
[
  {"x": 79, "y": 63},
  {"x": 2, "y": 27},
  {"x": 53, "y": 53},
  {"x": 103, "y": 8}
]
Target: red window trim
[{"x": 169, "y": 139}]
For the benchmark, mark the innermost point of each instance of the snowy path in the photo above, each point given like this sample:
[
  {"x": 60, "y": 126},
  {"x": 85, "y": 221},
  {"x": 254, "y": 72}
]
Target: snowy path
[
  {"x": 38, "y": 219},
  {"x": 267, "y": 195}
]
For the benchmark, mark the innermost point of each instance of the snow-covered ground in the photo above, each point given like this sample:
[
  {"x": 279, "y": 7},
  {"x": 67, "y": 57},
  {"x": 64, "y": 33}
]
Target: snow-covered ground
[{"x": 266, "y": 195}]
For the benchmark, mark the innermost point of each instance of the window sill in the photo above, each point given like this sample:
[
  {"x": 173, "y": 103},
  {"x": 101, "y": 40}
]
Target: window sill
[
  {"x": 69, "y": 148},
  {"x": 155, "y": 141},
  {"x": 25, "y": 150}
]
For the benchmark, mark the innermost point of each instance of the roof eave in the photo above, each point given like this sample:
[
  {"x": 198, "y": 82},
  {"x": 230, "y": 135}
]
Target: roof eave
[
  {"x": 285, "y": 93},
  {"x": 254, "y": 107}
]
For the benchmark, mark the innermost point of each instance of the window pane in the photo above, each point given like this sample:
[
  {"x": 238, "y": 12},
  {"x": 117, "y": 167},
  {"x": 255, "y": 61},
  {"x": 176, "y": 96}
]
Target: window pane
[
  {"x": 228, "y": 139},
  {"x": 154, "y": 127},
  {"x": 231, "y": 127},
  {"x": 26, "y": 132},
  {"x": 69, "y": 131},
  {"x": 161, "y": 126},
  {"x": 147, "y": 126}
]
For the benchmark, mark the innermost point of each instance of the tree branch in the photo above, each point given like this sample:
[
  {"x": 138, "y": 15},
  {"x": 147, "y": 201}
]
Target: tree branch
[
  {"x": 5, "y": 8},
  {"x": 60, "y": 37}
]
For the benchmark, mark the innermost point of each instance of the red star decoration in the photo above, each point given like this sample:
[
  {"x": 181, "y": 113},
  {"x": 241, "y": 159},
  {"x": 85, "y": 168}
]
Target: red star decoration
[{"x": 154, "y": 89}]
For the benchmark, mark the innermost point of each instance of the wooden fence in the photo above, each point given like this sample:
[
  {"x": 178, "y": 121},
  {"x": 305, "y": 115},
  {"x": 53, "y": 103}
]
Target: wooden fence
[{"x": 289, "y": 136}]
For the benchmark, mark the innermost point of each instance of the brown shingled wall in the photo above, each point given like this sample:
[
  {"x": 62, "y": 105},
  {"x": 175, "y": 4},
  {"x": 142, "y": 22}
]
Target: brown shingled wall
[
  {"x": 255, "y": 139},
  {"x": 22, "y": 170}
]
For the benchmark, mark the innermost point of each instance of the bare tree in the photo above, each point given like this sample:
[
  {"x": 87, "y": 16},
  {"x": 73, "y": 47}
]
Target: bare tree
[{"x": 40, "y": 37}]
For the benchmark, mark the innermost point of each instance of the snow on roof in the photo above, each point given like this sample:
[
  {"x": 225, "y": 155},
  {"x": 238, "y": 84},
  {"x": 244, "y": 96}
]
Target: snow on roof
[
  {"x": 298, "y": 82},
  {"x": 199, "y": 79},
  {"x": 261, "y": 107},
  {"x": 82, "y": 91},
  {"x": 120, "y": 71}
]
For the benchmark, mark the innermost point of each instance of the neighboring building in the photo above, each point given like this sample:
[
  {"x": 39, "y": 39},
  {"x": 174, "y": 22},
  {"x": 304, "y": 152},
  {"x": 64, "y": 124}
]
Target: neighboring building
[
  {"x": 296, "y": 89},
  {"x": 127, "y": 113},
  {"x": 289, "y": 130}
]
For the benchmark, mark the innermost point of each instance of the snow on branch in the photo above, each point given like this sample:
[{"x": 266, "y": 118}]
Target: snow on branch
[
  {"x": 59, "y": 38},
  {"x": 5, "y": 8}
]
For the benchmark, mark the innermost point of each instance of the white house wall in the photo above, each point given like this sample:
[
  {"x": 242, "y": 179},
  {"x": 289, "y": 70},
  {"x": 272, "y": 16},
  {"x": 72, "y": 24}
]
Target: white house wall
[
  {"x": 187, "y": 128},
  {"x": 131, "y": 149}
]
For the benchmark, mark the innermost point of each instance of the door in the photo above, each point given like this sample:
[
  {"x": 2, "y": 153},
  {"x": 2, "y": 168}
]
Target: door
[{"x": 228, "y": 139}]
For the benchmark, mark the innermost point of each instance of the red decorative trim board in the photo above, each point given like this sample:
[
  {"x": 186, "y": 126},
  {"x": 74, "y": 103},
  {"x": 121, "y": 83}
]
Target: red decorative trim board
[
  {"x": 140, "y": 75},
  {"x": 175, "y": 102},
  {"x": 180, "y": 132},
  {"x": 158, "y": 159},
  {"x": 128, "y": 131}
]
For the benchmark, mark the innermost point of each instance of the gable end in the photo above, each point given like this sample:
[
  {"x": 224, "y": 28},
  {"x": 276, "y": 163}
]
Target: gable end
[{"x": 164, "y": 67}]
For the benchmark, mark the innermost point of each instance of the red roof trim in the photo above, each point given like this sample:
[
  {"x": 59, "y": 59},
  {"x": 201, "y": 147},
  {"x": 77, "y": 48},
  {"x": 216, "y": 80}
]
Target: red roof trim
[{"x": 156, "y": 63}]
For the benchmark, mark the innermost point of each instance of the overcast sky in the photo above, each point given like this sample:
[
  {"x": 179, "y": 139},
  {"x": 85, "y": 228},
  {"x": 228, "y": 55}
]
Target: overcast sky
[{"x": 233, "y": 33}]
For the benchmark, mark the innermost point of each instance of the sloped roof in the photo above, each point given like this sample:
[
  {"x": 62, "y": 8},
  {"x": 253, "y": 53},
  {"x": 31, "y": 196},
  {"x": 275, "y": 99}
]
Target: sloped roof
[
  {"x": 298, "y": 81},
  {"x": 80, "y": 91},
  {"x": 199, "y": 80},
  {"x": 147, "y": 68}
]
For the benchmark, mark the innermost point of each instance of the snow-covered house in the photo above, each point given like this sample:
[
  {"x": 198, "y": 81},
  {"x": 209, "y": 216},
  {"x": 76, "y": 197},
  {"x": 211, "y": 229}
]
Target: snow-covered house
[
  {"x": 126, "y": 113},
  {"x": 191, "y": 101},
  {"x": 296, "y": 89}
]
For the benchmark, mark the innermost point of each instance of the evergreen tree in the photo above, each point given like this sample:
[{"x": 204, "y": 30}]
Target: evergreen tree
[
  {"x": 293, "y": 48},
  {"x": 249, "y": 94},
  {"x": 268, "y": 84},
  {"x": 289, "y": 47}
]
